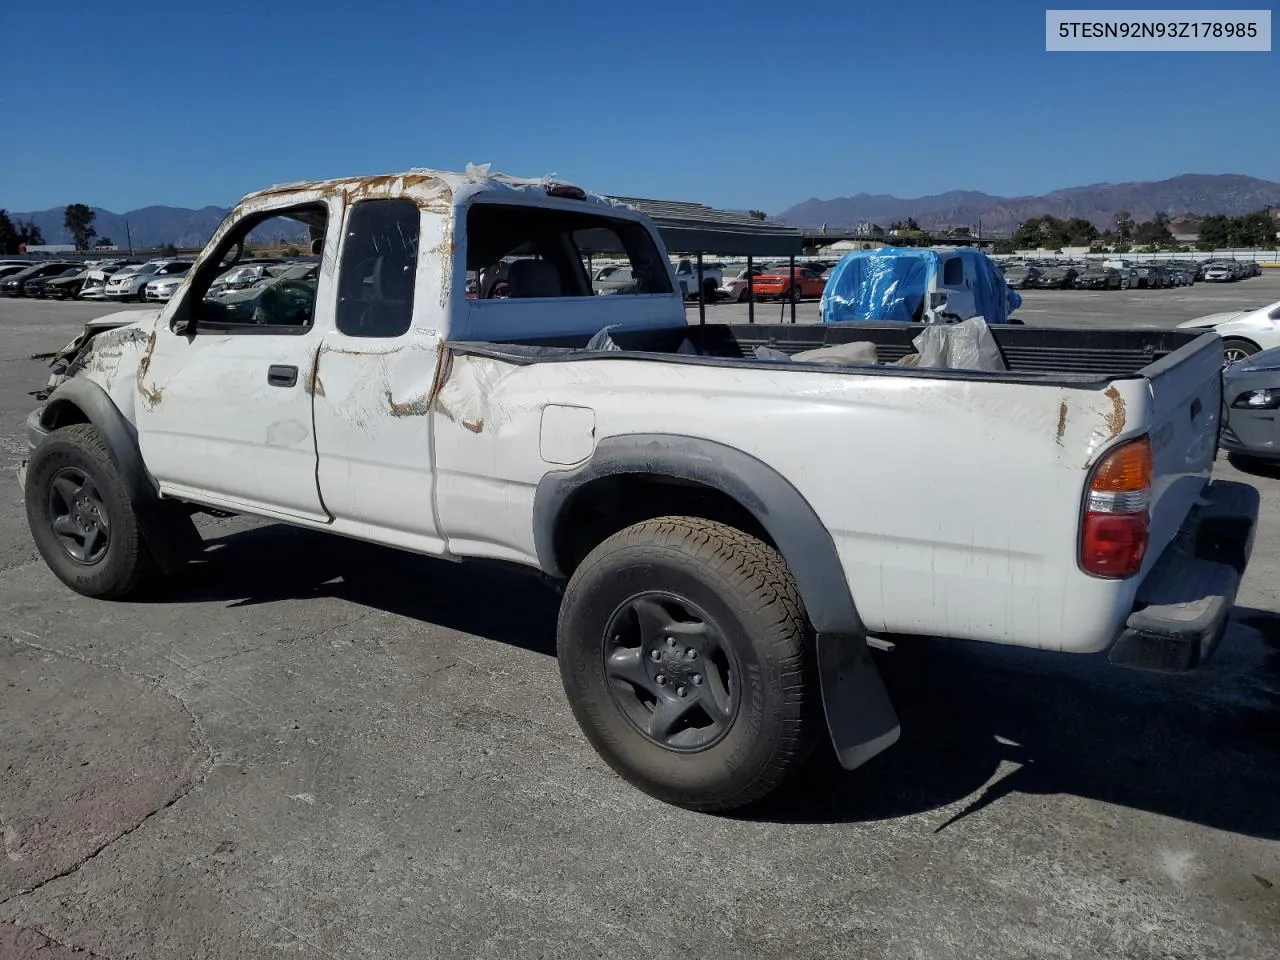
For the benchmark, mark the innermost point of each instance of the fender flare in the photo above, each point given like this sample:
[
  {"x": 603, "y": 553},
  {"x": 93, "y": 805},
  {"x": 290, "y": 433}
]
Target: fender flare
[
  {"x": 779, "y": 507},
  {"x": 119, "y": 434},
  {"x": 860, "y": 716},
  {"x": 171, "y": 538}
]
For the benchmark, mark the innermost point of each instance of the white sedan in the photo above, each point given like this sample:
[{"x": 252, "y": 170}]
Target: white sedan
[{"x": 1243, "y": 332}]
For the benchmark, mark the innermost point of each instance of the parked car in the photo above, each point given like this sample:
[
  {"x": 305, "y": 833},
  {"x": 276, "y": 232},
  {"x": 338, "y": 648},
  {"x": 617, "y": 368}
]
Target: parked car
[
  {"x": 721, "y": 563},
  {"x": 95, "y": 281},
  {"x": 9, "y": 269},
  {"x": 1251, "y": 407},
  {"x": 165, "y": 285},
  {"x": 1056, "y": 278},
  {"x": 615, "y": 278},
  {"x": 687, "y": 279},
  {"x": 35, "y": 288},
  {"x": 735, "y": 288},
  {"x": 1019, "y": 276},
  {"x": 1219, "y": 273},
  {"x": 1098, "y": 278},
  {"x": 15, "y": 285},
  {"x": 131, "y": 282},
  {"x": 1243, "y": 332},
  {"x": 290, "y": 291},
  {"x": 782, "y": 282},
  {"x": 62, "y": 286},
  {"x": 1148, "y": 278}
]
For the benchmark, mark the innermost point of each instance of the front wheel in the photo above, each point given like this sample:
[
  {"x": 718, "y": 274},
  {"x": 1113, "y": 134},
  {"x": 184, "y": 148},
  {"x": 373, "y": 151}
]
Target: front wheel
[
  {"x": 796, "y": 293},
  {"x": 1234, "y": 349},
  {"x": 686, "y": 655},
  {"x": 80, "y": 517}
]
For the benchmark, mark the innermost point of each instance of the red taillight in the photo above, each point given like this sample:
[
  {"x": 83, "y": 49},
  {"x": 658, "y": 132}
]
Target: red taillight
[{"x": 1116, "y": 524}]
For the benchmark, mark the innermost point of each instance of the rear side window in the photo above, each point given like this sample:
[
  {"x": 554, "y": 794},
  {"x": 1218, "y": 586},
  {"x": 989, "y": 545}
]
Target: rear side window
[
  {"x": 953, "y": 272},
  {"x": 535, "y": 252},
  {"x": 378, "y": 267}
]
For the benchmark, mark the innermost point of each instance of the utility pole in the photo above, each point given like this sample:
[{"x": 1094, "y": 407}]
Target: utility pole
[{"x": 128, "y": 236}]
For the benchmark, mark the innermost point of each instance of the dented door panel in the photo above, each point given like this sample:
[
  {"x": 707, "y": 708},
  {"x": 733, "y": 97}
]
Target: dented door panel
[{"x": 372, "y": 399}]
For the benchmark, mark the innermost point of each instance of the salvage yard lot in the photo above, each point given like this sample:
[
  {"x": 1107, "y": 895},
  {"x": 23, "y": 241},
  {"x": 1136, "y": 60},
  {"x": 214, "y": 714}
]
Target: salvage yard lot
[{"x": 305, "y": 748}]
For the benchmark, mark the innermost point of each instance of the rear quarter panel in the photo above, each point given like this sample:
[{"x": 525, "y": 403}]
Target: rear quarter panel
[{"x": 954, "y": 505}]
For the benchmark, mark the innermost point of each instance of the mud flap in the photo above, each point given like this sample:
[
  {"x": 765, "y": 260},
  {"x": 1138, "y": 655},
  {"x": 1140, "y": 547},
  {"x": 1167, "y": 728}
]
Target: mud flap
[
  {"x": 860, "y": 716},
  {"x": 169, "y": 534}
]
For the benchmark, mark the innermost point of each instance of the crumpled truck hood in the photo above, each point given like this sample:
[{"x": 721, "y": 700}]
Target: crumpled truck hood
[{"x": 64, "y": 363}]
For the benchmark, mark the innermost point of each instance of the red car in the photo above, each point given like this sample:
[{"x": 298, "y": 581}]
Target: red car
[{"x": 793, "y": 285}]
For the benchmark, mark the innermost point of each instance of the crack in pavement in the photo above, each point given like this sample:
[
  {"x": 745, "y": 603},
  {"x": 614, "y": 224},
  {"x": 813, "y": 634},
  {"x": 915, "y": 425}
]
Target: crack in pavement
[
  {"x": 209, "y": 763},
  {"x": 79, "y": 951}
]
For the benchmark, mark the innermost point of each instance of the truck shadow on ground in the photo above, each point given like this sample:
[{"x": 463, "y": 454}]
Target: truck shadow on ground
[{"x": 979, "y": 722}]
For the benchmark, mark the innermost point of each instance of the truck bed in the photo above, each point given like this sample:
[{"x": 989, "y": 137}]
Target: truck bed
[{"x": 1033, "y": 354}]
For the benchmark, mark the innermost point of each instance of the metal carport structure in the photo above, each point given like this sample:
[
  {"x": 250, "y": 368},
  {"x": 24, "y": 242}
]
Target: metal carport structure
[{"x": 697, "y": 229}]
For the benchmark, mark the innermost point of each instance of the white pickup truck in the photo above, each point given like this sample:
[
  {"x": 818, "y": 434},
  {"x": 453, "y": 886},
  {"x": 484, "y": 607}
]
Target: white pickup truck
[{"x": 730, "y": 533}]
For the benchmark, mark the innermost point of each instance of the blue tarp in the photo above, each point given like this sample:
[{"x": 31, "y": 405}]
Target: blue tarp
[{"x": 892, "y": 283}]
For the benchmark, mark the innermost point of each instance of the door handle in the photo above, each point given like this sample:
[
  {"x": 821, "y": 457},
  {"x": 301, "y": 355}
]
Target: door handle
[{"x": 281, "y": 375}]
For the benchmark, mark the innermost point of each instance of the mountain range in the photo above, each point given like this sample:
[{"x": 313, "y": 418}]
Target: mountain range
[{"x": 1230, "y": 194}]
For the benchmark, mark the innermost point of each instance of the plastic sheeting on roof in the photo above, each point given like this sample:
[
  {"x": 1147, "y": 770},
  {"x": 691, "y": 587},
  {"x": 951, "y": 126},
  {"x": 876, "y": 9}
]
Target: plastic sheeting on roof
[{"x": 893, "y": 284}]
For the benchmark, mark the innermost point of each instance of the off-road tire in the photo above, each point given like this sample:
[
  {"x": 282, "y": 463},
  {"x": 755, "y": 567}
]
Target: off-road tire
[
  {"x": 127, "y": 562},
  {"x": 749, "y": 593}
]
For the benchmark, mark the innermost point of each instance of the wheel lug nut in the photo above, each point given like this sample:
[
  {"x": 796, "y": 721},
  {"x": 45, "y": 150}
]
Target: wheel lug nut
[
  {"x": 660, "y": 680},
  {"x": 691, "y": 654},
  {"x": 655, "y": 655},
  {"x": 697, "y": 679},
  {"x": 671, "y": 641},
  {"x": 681, "y": 691}
]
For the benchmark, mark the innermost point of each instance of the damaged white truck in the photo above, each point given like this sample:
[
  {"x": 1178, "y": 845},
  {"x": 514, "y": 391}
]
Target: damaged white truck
[{"x": 730, "y": 532}]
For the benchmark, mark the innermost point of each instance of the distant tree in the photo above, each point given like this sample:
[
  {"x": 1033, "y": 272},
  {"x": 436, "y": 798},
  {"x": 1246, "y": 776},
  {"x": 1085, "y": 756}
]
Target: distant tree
[
  {"x": 757, "y": 214},
  {"x": 78, "y": 219},
  {"x": 1121, "y": 248},
  {"x": 8, "y": 233},
  {"x": 960, "y": 232},
  {"x": 1215, "y": 232},
  {"x": 1081, "y": 231},
  {"x": 290, "y": 251},
  {"x": 1255, "y": 230},
  {"x": 105, "y": 242},
  {"x": 1027, "y": 236},
  {"x": 29, "y": 233},
  {"x": 1005, "y": 246},
  {"x": 169, "y": 250},
  {"x": 1154, "y": 232}
]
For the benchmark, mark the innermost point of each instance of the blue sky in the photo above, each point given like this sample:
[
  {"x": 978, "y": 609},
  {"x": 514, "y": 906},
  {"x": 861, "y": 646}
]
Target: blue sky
[{"x": 740, "y": 105}]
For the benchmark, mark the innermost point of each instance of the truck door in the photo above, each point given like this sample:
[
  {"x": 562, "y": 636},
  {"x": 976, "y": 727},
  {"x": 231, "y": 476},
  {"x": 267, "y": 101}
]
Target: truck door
[
  {"x": 374, "y": 373},
  {"x": 224, "y": 414}
]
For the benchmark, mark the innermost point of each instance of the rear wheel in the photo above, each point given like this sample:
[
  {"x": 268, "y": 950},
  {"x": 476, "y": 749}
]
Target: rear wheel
[
  {"x": 685, "y": 653},
  {"x": 81, "y": 519},
  {"x": 1235, "y": 349},
  {"x": 796, "y": 294}
]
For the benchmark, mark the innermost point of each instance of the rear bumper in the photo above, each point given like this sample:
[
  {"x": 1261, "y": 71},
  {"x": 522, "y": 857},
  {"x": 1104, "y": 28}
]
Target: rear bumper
[{"x": 1183, "y": 604}]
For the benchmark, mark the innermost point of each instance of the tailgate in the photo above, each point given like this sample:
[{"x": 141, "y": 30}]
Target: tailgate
[{"x": 1185, "y": 414}]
